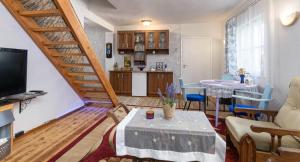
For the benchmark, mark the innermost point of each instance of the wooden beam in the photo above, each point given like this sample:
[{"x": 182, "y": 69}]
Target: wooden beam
[
  {"x": 40, "y": 13},
  {"x": 74, "y": 24},
  {"x": 51, "y": 29}
]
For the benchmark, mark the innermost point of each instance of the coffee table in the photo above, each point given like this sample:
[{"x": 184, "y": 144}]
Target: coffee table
[{"x": 187, "y": 137}]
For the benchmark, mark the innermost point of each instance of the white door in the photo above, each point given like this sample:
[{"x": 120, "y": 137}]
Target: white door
[{"x": 196, "y": 59}]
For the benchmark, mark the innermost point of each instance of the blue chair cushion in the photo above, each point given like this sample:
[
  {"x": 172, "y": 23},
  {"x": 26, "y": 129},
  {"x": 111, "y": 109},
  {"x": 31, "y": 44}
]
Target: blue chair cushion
[
  {"x": 231, "y": 108},
  {"x": 195, "y": 97}
]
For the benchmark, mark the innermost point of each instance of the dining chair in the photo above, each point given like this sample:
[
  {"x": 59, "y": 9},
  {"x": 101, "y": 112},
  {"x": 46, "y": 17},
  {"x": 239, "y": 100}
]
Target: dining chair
[
  {"x": 226, "y": 101},
  {"x": 193, "y": 97},
  {"x": 262, "y": 98}
]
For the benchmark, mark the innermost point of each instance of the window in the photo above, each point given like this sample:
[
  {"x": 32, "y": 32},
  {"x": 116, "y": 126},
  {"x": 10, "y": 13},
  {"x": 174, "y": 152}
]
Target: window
[
  {"x": 246, "y": 45},
  {"x": 250, "y": 42}
]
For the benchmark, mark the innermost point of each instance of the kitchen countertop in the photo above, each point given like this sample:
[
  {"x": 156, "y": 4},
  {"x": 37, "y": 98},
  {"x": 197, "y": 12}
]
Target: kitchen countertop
[{"x": 137, "y": 71}]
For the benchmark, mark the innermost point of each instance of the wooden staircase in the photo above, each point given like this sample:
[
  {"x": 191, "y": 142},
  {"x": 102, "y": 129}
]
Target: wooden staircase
[{"x": 56, "y": 30}]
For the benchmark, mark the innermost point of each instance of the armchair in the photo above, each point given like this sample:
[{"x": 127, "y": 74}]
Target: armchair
[
  {"x": 188, "y": 97},
  {"x": 259, "y": 140}
]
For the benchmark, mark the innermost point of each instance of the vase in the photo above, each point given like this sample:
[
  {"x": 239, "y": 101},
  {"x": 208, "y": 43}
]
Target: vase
[
  {"x": 242, "y": 76},
  {"x": 169, "y": 111}
]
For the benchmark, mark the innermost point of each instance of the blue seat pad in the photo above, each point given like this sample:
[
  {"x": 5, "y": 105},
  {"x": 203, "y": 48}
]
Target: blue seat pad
[
  {"x": 231, "y": 108},
  {"x": 195, "y": 97}
]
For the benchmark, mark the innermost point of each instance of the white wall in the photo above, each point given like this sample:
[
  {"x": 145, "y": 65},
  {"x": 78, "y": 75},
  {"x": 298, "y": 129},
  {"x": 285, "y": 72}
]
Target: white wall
[
  {"x": 286, "y": 54},
  {"x": 42, "y": 75},
  {"x": 82, "y": 11}
]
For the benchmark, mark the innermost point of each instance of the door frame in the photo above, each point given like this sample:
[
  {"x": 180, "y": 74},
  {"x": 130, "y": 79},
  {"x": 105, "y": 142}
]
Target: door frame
[{"x": 211, "y": 52}]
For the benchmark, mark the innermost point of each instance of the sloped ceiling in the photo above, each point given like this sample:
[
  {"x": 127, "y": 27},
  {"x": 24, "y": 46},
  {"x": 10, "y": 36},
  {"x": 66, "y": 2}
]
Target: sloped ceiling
[{"x": 130, "y": 12}]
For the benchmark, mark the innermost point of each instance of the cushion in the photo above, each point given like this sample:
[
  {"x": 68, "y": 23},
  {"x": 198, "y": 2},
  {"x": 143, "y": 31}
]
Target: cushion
[
  {"x": 195, "y": 97},
  {"x": 240, "y": 126},
  {"x": 289, "y": 115}
]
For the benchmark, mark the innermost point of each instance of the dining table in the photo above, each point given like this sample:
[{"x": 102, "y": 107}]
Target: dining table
[
  {"x": 188, "y": 136},
  {"x": 224, "y": 89}
]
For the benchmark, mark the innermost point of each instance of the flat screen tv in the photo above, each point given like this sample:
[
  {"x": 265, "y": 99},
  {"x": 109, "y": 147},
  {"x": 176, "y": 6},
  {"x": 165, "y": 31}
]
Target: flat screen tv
[{"x": 13, "y": 71}]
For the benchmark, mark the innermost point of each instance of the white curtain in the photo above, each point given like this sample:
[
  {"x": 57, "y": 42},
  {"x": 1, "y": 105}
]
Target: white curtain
[{"x": 252, "y": 40}]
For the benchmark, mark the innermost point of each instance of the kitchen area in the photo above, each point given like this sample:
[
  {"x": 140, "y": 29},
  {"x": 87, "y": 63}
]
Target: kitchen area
[{"x": 134, "y": 77}]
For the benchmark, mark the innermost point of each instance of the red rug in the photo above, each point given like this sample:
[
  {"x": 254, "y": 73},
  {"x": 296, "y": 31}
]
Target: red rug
[{"x": 104, "y": 152}]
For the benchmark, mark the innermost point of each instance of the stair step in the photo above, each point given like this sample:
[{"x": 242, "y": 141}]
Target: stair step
[
  {"x": 87, "y": 81},
  {"x": 82, "y": 74},
  {"x": 55, "y": 43},
  {"x": 90, "y": 102},
  {"x": 67, "y": 54},
  {"x": 40, "y": 13},
  {"x": 75, "y": 65},
  {"x": 90, "y": 89},
  {"x": 51, "y": 29},
  {"x": 95, "y": 94}
]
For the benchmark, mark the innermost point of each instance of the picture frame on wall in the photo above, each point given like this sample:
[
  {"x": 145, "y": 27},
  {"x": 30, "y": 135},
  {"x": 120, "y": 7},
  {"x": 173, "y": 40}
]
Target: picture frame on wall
[
  {"x": 108, "y": 50},
  {"x": 127, "y": 61}
]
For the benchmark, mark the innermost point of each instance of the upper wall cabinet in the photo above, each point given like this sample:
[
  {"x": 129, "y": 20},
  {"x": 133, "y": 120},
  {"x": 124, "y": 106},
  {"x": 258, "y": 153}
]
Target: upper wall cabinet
[
  {"x": 156, "y": 41},
  {"x": 125, "y": 42}
]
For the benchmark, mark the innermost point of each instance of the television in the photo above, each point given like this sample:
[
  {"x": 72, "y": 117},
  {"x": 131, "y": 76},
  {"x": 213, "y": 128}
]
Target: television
[{"x": 13, "y": 71}]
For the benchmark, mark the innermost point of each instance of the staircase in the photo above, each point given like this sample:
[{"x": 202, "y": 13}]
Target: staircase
[{"x": 56, "y": 30}]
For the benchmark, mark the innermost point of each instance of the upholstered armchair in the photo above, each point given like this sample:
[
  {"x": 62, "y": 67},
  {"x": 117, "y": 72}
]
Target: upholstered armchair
[{"x": 260, "y": 140}]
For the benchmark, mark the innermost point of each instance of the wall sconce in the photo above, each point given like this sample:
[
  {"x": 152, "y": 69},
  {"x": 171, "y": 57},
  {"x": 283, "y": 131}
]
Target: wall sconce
[{"x": 289, "y": 19}]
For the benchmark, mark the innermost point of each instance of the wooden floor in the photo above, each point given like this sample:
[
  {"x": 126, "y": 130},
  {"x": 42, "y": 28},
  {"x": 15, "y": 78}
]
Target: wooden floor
[{"x": 41, "y": 144}]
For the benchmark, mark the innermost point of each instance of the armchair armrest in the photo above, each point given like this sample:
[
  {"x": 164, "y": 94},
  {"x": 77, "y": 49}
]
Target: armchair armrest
[
  {"x": 275, "y": 131},
  {"x": 251, "y": 112},
  {"x": 250, "y": 98},
  {"x": 249, "y": 92},
  {"x": 279, "y": 132}
]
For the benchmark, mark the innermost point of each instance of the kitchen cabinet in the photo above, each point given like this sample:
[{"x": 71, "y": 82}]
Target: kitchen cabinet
[
  {"x": 148, "y": 41},
  {"x": 121, "y": 82},
  {"x": 158, "y": 80},
  {"x": 125, "y": 42},
  {"x": 157, "y": 42}
]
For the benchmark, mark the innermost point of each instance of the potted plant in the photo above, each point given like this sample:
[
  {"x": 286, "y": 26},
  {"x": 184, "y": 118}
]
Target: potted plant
[{"x": 168, "y": 101}]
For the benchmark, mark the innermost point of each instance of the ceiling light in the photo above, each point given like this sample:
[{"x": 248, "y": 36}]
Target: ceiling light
[{"x": 146, "y": 22}]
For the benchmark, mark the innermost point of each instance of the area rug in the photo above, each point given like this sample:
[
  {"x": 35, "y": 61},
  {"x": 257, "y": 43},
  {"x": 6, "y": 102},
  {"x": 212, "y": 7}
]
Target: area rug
[{"x": 105, "y": 154}]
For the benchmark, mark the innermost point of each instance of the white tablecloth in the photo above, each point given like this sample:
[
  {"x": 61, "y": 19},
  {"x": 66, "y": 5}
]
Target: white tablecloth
[
  {"x": 225, "y": 88},
  {"x": 122, "y": 149}
]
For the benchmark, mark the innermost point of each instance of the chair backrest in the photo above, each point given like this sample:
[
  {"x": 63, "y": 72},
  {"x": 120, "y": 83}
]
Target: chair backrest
[
  {"x": 267, "y": 94},
  {"x": 227, "y": 76},
  {"x": 288, "y": 116},
  {"x": 117, "y": 114},
  {"x": 181, "y": 84}
]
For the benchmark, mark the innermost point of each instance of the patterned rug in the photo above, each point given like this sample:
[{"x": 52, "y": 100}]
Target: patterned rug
[{"x": 105, "y": 154}]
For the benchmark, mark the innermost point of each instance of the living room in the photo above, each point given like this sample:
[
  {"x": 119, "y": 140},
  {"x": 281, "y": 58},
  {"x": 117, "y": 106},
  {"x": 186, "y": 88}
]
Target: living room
[{"x": 128, "y": 80}]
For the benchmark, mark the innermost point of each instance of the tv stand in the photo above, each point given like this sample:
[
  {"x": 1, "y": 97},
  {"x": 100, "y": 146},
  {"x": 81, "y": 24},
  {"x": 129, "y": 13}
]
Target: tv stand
[{"x": 23, "y": 98}]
